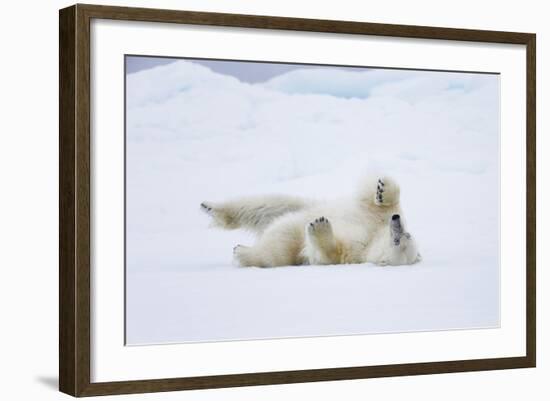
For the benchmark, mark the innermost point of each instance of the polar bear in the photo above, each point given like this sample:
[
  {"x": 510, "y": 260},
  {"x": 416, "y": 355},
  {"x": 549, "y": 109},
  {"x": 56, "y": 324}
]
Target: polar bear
[{"x": 293, "y": 231}]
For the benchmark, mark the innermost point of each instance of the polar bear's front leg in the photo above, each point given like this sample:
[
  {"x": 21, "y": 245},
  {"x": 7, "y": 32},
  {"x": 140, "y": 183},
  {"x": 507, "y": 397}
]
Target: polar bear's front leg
[{"x": 320, "y": 245}]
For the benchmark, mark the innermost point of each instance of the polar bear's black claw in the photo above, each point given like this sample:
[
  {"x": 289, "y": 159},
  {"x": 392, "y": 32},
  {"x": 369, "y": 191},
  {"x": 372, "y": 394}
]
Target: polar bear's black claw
[
  {"x": 206, "y": 208},
  {"x": 380, "y": 191}
]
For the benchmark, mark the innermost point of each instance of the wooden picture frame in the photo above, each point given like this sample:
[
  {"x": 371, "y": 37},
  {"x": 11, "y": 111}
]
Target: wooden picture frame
[{"x": 74, "y": 200}]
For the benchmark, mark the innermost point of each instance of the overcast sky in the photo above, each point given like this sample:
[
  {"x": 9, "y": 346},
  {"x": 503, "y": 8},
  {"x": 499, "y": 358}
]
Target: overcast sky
[{"x": 245, "y": 71}]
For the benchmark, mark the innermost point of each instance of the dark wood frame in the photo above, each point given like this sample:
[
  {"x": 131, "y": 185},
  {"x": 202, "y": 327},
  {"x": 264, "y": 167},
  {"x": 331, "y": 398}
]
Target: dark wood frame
[{"x": 74, "y": 200}]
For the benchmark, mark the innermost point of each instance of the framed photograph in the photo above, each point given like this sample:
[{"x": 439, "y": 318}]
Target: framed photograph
[{"x": 250, "y": 200}]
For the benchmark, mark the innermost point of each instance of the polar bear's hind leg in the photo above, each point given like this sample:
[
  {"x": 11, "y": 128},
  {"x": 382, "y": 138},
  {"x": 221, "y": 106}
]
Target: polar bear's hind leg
[{"x": 254, "y": 213}]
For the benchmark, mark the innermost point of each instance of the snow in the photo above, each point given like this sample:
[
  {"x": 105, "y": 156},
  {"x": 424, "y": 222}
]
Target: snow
[{"x": 195, "y": 135}]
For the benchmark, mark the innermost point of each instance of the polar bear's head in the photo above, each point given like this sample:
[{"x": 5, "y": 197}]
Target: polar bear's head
[{"x": 402, "y": 246}]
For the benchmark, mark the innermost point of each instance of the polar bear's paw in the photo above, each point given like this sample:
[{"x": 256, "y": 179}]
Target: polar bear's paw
[
  {"x": 320, "y": 247},
  {"x": 379, "y": 200},
  {"x": 320, "y": 228},
  {"x": 219, "y": 215},
  {"x": 207, "y": 208},
  {"x": 241, "y": 255},
  {"x": 387, "y": 192}
]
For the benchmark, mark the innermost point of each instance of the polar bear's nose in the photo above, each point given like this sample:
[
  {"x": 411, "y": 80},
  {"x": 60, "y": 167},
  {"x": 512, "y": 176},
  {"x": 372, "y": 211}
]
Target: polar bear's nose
[{"x": 395, "y": 217}]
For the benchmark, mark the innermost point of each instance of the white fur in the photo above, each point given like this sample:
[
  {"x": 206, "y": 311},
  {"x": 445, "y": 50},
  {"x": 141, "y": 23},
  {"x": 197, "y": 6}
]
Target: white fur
[{"x": 294, "y": 231}]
